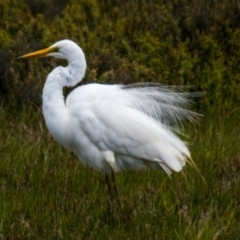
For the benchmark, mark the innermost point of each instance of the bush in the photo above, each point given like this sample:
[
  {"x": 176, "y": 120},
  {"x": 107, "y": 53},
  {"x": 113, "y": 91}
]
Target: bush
[{"x": 178, "y": 42}]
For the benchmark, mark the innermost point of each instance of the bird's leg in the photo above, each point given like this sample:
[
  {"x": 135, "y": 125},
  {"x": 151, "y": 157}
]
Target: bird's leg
[
  {"x": 108, "y": 190},
  {"x": 115, "y": 186}
]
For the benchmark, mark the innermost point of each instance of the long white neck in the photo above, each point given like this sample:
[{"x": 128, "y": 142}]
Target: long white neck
[
  {"x": 75, "y": 71},
  {"x": 54, "y": 108}
]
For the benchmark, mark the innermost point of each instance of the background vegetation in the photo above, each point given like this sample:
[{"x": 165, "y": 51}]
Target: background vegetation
[{"x": 45, "y": 192}]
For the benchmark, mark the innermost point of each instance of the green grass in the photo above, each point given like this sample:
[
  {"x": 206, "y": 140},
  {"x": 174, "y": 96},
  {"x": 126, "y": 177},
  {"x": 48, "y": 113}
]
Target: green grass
[{"x": 45, "y": 193}]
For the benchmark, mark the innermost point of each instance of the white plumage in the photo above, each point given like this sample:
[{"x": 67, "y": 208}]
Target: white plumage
[{"x": 113, "y": 126}]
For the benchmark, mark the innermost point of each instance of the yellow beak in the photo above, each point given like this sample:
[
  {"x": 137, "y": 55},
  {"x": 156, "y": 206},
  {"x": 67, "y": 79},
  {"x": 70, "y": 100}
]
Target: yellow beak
[{"x": 37, "y": 54}]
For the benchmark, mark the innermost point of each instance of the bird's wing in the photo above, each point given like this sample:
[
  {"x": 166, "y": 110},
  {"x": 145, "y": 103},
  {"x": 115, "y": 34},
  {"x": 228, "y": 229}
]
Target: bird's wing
[{"x": 127, "y": 131}]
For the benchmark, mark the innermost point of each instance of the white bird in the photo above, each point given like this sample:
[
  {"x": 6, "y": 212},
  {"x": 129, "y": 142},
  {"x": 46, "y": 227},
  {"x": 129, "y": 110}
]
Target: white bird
[{"x": 113, "y": 127}]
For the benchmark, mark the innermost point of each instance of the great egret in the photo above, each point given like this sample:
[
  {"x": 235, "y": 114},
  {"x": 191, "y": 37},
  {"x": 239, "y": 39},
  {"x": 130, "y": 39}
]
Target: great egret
[{"x": 113, "y": 127}]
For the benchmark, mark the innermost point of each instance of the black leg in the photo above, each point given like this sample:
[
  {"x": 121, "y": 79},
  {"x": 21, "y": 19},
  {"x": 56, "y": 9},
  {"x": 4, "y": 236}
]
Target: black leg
[
  {"x": 108, "y": 193},
  {"x": 115, "y": 189}
]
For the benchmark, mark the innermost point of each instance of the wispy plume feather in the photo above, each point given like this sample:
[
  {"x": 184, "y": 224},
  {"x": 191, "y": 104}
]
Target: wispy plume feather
[{"x": 166, "y": 104}]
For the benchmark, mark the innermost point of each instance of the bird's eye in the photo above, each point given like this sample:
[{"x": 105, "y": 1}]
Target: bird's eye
[{"x": 55, "y": 49}]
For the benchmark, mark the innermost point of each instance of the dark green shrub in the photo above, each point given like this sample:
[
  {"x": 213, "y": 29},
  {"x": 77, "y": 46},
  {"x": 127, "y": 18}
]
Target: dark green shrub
[{"x": 177, "y": 42}]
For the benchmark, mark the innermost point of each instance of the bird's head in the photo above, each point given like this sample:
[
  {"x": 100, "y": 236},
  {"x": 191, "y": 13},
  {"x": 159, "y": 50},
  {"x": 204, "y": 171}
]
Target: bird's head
[
  {"x": 69, "y": 50},
  {"x": 62, "y": 49}
]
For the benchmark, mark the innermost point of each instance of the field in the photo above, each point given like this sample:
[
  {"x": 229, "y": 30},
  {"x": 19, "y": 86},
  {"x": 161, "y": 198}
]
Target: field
[{"x": 47, "y": 194}]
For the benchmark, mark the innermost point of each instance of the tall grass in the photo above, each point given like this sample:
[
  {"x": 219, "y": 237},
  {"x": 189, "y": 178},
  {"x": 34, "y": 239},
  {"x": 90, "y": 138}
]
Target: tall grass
[{"x": 45, "y": 193}]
